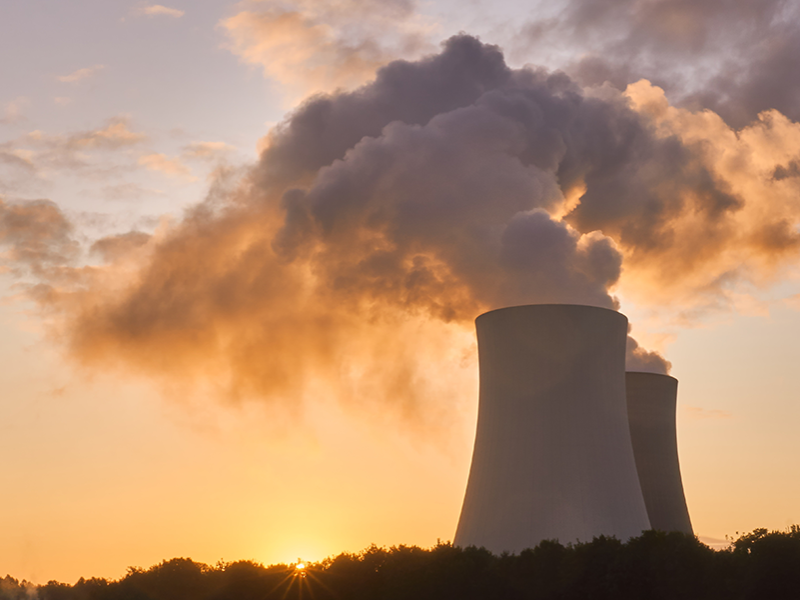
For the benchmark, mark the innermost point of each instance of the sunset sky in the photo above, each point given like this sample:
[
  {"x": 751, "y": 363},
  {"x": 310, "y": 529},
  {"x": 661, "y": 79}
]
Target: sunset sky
[{"x": 242, "y": 245}]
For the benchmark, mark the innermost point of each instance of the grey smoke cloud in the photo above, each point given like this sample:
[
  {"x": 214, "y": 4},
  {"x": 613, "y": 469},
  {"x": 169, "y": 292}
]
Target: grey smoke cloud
[
  {"x": 378, "y": 222},
  {"x": 326, "y": 126},
  {"x": 734, "y": 57},
  {"x": 452, "y": 203}
]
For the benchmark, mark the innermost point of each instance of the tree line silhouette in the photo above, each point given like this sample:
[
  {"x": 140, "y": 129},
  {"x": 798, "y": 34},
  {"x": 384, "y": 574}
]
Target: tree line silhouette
[{"x": 656, "y": 565}]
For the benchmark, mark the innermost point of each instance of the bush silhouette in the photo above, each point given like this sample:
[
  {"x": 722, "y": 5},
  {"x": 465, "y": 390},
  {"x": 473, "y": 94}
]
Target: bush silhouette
[{"x": 653, "y": 566}]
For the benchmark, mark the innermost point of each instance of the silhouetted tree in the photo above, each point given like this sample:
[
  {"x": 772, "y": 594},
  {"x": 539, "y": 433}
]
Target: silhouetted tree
[
  {"x": 770, "y": 564},
  {"x": 654, "y": 566},
  {"x": 12, "y": 589}
]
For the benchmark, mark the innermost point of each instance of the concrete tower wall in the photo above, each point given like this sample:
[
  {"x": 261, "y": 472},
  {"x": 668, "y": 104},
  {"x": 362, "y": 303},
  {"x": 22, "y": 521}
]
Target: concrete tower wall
[
  {"x": 651, "y": 415},
  {"x": 553, "y": 456}
]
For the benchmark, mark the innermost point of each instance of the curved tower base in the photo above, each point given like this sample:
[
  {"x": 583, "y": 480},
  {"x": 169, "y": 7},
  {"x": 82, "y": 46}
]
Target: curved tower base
[
  {"x": 651, "y": 414},
  {"x": 553, "y": 456}
]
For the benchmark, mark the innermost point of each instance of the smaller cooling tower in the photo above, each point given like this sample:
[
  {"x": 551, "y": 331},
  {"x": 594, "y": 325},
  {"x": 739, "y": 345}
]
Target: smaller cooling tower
[
  {"x": 553, "y": 456},
  {"x": 651, "y": 415}
]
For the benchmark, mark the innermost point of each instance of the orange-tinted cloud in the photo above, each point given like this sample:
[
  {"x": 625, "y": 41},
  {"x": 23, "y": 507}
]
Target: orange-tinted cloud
[
  {"x": 168, "y": 166},
  {"x": 208, "y": 303},
  {"x": 37, "y": 237},
  {"x": 17, "y": 157},
  {"x": 349, "y": 262},
  {"x": 54, "y": 150},
  {"x": 314, "y": 46},
  {"x": 353, "y": 271},
  {"x": 117, "y": 247},
  {"x": 26, "y": 161},
  {"x": 114, "y": 135},
  {"x": 80, "y": 74},
  {"x": 156, "y": 10},
  {"x": 11, "y": 112},
  {"x": 719, "y": 217},
  {"x": 207, "y": 150}
]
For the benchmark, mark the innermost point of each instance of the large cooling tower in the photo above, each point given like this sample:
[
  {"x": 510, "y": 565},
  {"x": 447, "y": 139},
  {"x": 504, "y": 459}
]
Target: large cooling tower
[
  {"x": 553, "y": 456},
  {"x": 651, "y": 414}
]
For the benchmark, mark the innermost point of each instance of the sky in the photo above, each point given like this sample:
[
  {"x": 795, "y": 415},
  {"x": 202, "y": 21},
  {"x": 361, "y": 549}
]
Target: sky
[{"x": 242, "y": 245}]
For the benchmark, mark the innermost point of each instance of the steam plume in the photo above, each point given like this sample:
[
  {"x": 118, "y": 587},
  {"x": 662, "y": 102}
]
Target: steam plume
[
  {"x": 378, "y": 223},
  {"x": 735, "y": 57}
]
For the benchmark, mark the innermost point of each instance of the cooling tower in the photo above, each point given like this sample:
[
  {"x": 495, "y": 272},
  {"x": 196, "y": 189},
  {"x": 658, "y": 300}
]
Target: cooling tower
[
  {"x": 651, "y": 415},
  {"x": 553, "y": 456}
]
